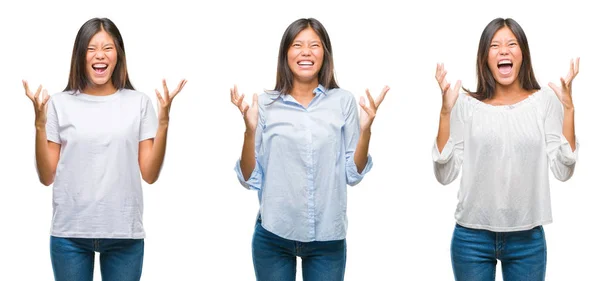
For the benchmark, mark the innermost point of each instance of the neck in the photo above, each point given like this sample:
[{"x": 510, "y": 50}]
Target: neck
[
  {"x": 304, "y": 89},
  {"x": 508, "y": 91},
  {"x": 100, "y": 90}
]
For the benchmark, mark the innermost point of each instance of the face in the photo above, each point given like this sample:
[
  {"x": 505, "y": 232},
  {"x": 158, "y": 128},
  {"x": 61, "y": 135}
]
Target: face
[
  {"x": 505, "y": 57},
  {"x": 305, "y": 55},
  {"x": 101, "y": 59}
]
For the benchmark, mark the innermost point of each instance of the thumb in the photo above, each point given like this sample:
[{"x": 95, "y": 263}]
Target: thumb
[
  {"x": 254, "y": 100},
  {"x": 457, "y": 86},
  {"x": 554, "y": 88}
]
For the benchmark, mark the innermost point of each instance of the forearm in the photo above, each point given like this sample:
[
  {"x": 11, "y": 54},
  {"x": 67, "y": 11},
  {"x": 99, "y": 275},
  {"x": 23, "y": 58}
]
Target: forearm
[
  {"x": 42, "y": 157},
  {"x": 157, "y": 155},
  {"x": 248, "y": 160},
  {"x": 443, "y": 131},
  {"x": 362, "y": 150},
  {"x": 569, "y": 126}
]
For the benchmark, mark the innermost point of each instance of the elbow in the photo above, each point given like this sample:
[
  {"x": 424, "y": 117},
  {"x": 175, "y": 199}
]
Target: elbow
[
  {"x": 564, "y": 177},
  {"x": 444, "y": 180},
  {"x": 149, "y": 180},
  {"x": 46, "y": 176},
  {"x": 46, "y": 180}
]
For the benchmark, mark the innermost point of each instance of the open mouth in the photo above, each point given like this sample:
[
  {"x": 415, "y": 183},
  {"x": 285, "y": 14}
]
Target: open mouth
[
  {"x": 505, "y": 66},
  {"x": 306, "y": 63},
  {"x": 100, "y": 68}
]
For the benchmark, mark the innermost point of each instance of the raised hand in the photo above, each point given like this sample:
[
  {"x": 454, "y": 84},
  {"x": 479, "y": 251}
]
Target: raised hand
[
  {"x": 367, "y": 114},
  {"x": 249, "y": 112},
  {"x": 164, "y": 103},
  {"x": 564, "y": 92},
  {"x": 449, "y": 95},
  {"x": 39, "y": 104}
]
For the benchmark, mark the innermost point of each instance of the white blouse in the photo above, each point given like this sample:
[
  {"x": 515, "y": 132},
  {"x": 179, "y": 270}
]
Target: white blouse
[{"x": 505, "y": 152}]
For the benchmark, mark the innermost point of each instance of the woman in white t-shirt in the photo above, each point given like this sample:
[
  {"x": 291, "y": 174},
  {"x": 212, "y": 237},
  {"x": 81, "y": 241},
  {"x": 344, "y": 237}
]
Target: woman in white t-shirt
[
  {"x": 92, "y": 141},
  {"x": 504, "y": 135}
]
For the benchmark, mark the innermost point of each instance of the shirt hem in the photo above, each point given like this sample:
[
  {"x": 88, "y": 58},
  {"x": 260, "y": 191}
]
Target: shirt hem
[
  {"x": 98, "y": 235},
  {"x": 504, "y": 229}
]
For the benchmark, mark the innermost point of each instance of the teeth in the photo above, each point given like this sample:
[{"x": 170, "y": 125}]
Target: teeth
[
  {"x": 100, "y": 65},
  {"x": 305, "y": 63},
  {"x": 504, "y": 62}
]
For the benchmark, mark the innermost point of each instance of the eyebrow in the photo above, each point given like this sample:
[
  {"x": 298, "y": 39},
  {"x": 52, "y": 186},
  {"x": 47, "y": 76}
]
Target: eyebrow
[
  {"x": 313, "y": 41},
  {"x": 509, "y": 40}
]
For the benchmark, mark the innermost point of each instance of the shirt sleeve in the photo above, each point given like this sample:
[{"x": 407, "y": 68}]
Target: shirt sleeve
[
  {"x": 448, "y": 162},
  {"x": 351, "y": 133},
  {"x": 560, "y": 156},
  {"x": 148, "y": 121},
  {"x": 52, "y": 133},
  {"x": 256, "y": 178}
]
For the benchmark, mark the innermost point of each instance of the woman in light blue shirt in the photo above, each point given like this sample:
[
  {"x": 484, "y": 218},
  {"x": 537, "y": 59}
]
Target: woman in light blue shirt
[{"x": 303, "y": 144}]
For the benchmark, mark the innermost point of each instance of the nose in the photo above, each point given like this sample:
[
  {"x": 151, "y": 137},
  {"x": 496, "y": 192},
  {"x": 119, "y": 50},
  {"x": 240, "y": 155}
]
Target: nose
[
  {"x": 504, "y": 50},
  {"x": 305, "y": 51},
  {"x": 99, "y": 54}
]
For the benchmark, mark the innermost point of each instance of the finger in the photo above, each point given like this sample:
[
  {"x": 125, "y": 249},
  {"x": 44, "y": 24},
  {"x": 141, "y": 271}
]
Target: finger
[
  {"x": 254, "y": 100},
  {"x": 240, "y": 102},
  {"x": 371, "y": 101},
  {"x": 576, "y": 67},
  {"x": 159, "y": 97},
  {"x": 367, "y": 110},
  {"x": 564, "y": 83},
  {"x": 555, "y": 88},
  {"x": 27, "y": 91},
  {"x": 45, "y": 97},
  {"x": 442, "y": 78},
  {"x": 37, "y": 94},
  {"x": 445, "y": 88},
  {"x": 231, "y": 95},
  {"x": 457, "y": 86},
  {"x": 164, "y": 83},
  {"x": 179, "y": 87},
  {"x": 382, "y": 95},
  {"x": 437, "y": 71}
]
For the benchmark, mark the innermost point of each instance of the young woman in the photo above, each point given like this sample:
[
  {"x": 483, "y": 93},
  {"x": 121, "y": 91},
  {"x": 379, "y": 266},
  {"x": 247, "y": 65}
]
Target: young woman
[
  {"x": 504, "y": 135},
  {"x": 92, "y": 141},
  {"x": 303, "y": 144}
]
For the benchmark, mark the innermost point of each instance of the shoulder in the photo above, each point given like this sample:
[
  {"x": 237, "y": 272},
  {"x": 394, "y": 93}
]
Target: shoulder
[
  {"x": 62, "y": 95},
  {"x": 545, "y": 97},
  {"x": 133, "y": 94},
  {"x": 340, "y": 93}
]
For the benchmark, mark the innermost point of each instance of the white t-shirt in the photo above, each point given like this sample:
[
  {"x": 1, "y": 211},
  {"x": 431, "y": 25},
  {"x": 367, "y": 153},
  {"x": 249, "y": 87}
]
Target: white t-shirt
[
  {"x": 97, "y": 191},
  {"x": 505, "y": 152}
]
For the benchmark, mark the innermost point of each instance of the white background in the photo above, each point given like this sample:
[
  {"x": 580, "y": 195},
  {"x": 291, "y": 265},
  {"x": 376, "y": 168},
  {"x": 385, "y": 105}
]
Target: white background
[{"x": 199, "y": 220}]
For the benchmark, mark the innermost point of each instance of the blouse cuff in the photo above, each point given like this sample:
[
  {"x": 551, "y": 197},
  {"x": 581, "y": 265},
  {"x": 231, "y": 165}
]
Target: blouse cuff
[
  {"x": 565, "y": 154},
  {"x": 254, "y": 177},
  {"x": 445, "y": 155},
  {"x": 353, "y": 177}
]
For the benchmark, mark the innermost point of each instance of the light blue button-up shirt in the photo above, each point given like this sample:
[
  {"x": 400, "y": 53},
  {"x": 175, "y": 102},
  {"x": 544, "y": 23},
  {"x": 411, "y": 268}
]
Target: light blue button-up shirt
[{"x": 304, "y": 161}]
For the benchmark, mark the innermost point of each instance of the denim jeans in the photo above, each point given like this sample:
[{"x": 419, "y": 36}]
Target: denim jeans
[
  {"x": 73, "y": 258},
  {"x": 275, "y": 258},
  {"x": 475, "y": 252}
]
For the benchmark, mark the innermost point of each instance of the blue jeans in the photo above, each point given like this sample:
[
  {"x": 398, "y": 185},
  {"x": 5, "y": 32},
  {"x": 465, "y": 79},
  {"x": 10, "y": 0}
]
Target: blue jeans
[
  {"x": 73, "y": 258},
  {"x": 475, "y": 252},
  {"x": 275, "y": 258}
]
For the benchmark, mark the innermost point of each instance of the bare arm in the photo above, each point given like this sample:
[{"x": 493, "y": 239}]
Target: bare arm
[
  {"x": 46, "y": 152},
  {"x": 564, "y": 94},
  {"x": 250, "y": 114},
  {"x": 151, "y": 152},
  {"x": 449, "y": 97},
  {"x": 367, "y": 117}
]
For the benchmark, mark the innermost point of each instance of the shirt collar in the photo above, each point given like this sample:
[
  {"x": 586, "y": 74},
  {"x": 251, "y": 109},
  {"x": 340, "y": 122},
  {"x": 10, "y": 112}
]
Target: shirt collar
[{"x": 317, "y": 91}]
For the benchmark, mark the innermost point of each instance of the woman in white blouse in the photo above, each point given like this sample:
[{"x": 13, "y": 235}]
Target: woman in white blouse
[{"x": 504, "y": 135}]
